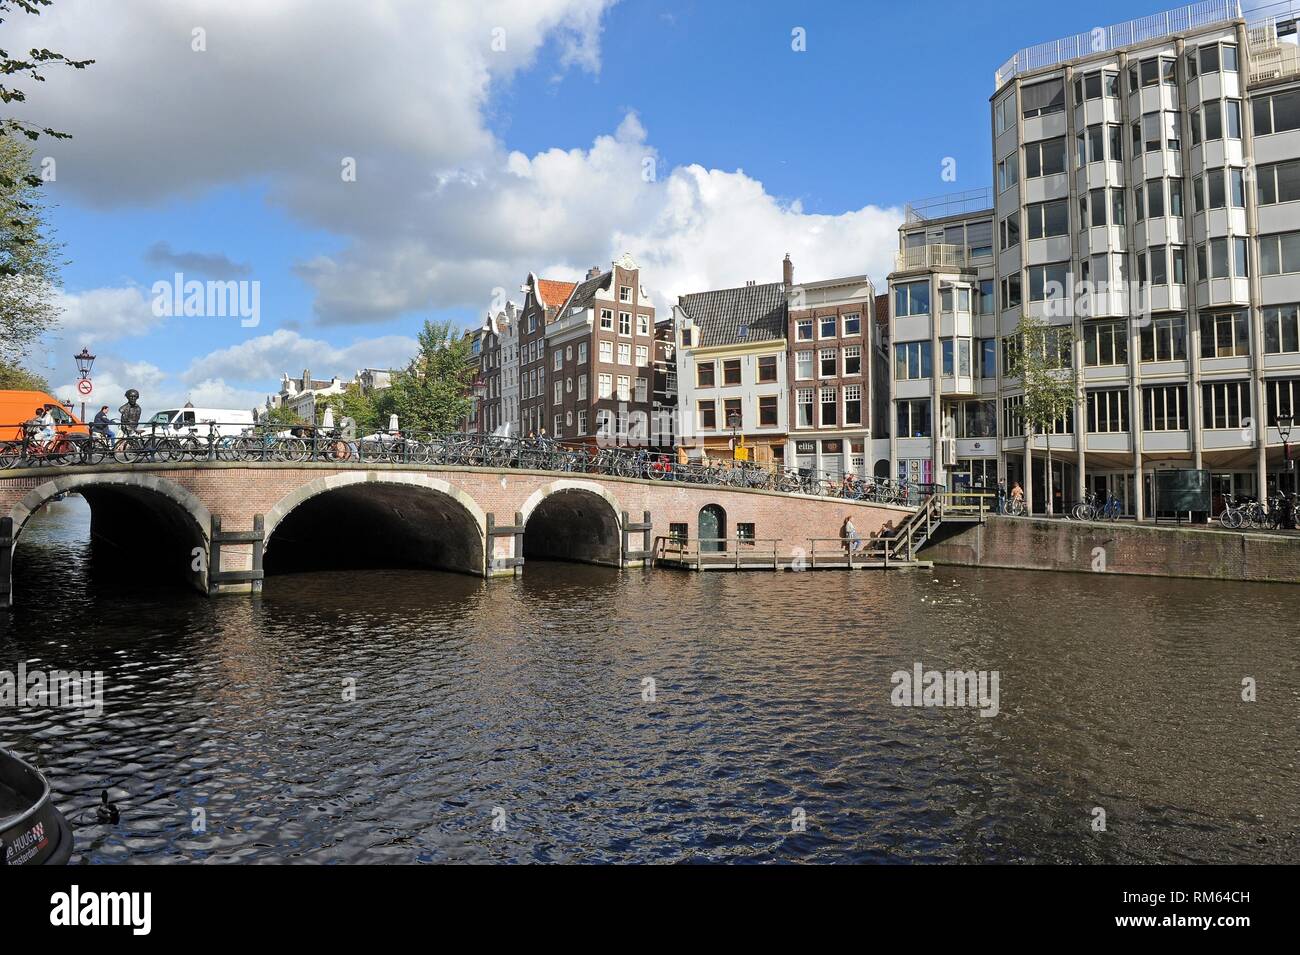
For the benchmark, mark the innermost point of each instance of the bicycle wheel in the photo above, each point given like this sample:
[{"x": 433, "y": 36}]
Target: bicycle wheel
[
  {"x": 11, "y": 453},
  {"x": 94, "y": 451},
  {"x": 289, "y": 449},
  {"x": 129, "y": 451}
]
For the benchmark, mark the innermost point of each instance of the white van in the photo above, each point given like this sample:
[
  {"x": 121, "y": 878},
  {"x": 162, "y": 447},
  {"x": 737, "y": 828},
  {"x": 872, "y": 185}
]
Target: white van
[{"x": 199, "y": 421}]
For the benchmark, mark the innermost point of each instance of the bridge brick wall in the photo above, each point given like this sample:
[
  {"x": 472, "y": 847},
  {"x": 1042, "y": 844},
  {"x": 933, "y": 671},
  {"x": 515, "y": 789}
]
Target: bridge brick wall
[{"x": 236, "y": 493}]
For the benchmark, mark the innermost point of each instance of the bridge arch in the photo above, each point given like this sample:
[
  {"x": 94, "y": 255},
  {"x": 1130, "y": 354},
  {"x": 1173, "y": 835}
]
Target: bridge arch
[
  {"x": 125, "y": 512},
  {"x": 382, "y": 518},
  {"x": 573, "y": 520}
]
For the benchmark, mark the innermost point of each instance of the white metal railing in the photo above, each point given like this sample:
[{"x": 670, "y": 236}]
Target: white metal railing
[
  {"x": 956, "y": 203},
  {"x": 1271, "y": 34},
  {"x": 931, "y": 256},
  {"x": 1101, "y": 39}
]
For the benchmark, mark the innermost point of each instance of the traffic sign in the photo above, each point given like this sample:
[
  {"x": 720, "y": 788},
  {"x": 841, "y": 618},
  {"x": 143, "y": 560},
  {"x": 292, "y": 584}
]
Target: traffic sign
[{"x": 84, "y": 386}]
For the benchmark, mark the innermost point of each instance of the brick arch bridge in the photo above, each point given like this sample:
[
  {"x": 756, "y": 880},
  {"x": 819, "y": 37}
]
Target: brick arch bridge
[{"x": 223, "y": 525}]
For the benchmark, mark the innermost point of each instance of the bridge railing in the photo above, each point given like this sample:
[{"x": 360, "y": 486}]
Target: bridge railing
[{"x": 34, "y": 444}]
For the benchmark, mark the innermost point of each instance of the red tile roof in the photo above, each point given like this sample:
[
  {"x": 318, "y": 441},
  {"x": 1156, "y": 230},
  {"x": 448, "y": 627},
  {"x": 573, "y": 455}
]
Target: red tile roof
[{"x": 554, "y": 293}]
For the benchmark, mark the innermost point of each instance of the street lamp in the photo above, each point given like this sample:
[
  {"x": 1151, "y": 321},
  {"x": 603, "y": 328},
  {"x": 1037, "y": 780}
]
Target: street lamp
[
  {"x": 1284, "y": 422},
  {"x": 85, "y": 361},
  {"x": 733, "y": 421}
]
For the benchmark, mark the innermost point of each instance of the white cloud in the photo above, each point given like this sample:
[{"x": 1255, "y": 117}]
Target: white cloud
[
  {"x": 105, "y": 314},
  {"x": 441, "y": 212},
  {"x": 266, "y": 357}
]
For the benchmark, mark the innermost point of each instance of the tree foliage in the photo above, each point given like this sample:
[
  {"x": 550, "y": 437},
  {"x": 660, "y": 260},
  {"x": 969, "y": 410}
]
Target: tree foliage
[
  {"x": 14, "y": 378},
  {"x": 279, "y": 417},
  {"x": 1049, "y": 380},
  {"x": 370, "y": 410},
  {"x": 29, "y": 257},
  {"x": 30, "y": 66},
  {"x": 431, "y": 393}
]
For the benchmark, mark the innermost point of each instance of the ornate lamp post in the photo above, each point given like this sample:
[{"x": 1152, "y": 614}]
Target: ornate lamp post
[
  {"x": 733, "y": 422},
  {"x": 85, "y": 361},
  {"x": 1284, "y": 422}
]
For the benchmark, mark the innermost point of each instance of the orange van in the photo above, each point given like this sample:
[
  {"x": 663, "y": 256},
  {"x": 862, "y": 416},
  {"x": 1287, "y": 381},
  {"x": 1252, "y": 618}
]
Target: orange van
[{"x": 17, "y": 407}]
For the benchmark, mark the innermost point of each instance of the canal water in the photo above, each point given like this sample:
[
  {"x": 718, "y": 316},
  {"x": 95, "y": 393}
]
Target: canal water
[{"x": 517, "y": 721}]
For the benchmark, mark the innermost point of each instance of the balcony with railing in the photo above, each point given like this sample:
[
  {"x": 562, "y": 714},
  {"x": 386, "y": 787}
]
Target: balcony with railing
[
  {"x": 1142, "y": 30},
  {"x": 932, "y": 257},
  {"x": 1271, "y": 31}
]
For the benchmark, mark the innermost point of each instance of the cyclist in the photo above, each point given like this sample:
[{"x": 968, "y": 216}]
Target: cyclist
[{"x": 1017, "y": 495}]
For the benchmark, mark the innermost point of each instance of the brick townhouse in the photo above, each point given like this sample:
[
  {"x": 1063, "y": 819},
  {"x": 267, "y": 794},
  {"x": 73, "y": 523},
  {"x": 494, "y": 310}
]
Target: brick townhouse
[
  {"x": 543, "y": 300},
  {"x": 829, "y": 330},
  {"x": 599, "y": 353}
]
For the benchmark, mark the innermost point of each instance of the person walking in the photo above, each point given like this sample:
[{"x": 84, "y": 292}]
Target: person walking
[
  {"x": 852, "y": 540},
  {"x": 1002, "y": 496}
]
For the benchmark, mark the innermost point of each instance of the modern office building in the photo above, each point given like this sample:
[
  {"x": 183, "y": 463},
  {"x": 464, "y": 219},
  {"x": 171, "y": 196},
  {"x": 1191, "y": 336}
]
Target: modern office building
[{"x": 1147, "y": 197}]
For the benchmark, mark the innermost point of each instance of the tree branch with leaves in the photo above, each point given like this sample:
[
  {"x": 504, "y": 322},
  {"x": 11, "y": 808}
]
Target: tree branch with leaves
[{"x": 1050, "y": 383}]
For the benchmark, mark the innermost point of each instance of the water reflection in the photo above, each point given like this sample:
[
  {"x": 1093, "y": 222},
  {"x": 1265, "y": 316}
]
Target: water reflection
[{"x": 525, "y": 699}]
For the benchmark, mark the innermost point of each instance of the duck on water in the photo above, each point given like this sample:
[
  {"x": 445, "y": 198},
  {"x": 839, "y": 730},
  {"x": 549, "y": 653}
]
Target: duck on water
[{"x": 32, "y": 830}]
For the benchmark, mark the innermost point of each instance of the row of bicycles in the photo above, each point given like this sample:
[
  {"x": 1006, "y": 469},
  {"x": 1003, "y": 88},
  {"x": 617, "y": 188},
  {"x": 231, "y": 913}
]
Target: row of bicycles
[
  {"x": 1097, "y": 507},
  {"x": 304, "y": 444},
  {"x": 1241, "y": 512}
]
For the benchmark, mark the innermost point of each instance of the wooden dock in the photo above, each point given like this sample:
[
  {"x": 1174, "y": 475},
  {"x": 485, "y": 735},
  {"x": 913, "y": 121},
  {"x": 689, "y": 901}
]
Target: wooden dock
[{"x": 896, "y": 551}]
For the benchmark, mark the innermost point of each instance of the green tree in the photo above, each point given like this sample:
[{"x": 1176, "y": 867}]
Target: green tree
[
  {"x": 29, "y": 257},
  {"x": 369, "y": 410},
  {"x": 13, "y": 378},
  {"x": 30, "y": 66},
  {"x": 1050, "y": 383},
  {"x": 279, "y": 417},
  {"x": 432, "y": 392}
]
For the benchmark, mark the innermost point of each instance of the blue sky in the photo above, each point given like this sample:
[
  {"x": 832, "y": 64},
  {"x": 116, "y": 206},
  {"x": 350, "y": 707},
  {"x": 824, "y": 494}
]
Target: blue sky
[{"x": 476, "y": 164}]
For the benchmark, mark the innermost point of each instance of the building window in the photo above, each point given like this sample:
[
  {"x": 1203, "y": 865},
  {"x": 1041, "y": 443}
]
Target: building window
[
  {"x": 766, "y": 369},
  {"x": 642, "y": 356},
  {"x": 625, "y": 293},
  {"x": 624, "y": 387},
  {"x": 1277, "y": 113},
  {"x": 708, "y": 415},
  {"x": 731, "y": 371},
  {"x": 604, "y": 423},
  {"x": 852, "y": 360},
  {"x": 852, "y": 405},
  {"x": 607, "y": 319},
  {"x": 1048, "y": 282},
  {"x": 1108, "y": 411},
  {"x": 558, "y": 393},
  {"x": 582, "y": 353},
  {"x": 804, "y": 407},
  {"x": 1165, "y": 339},
  {"x": 913, "y": 418},
  {"x": 624, "y": 353},
  {"x": 1225, "y": 404},
  {"x": 1283, "y": 397},
  {"x": 732, "y": 414},
  {"x": 988, "y": 357},
  {"x": 704, "y": 374},
  {"x": 1164, "y": 408},
  {"x": 1279, "y": 254},
  {"x": 912, "y": 298},
  {"x": 558, "y": 423},
  {"x": 641, "y": 395},
  {"x": 826, "y": 325},
  {"x": 803, "y": 330},
  {"x": 1279, "y": 182},
  {"x": 606, "y": 351},
  {"x": 1281, "y": 328},
  {"x": 977, "y": 419},
  {"x": 1225, "y": 334},
  {"x": 1047, "y": 219},
  {"x": 767, "y": 411},
  {"x": 829, "y": 362},
  {"x": 582, "y": 422},
  {"x": 744, "y": 532},
  {"x": 1105, "y": 343},
  {"x": 955, "y": 357},
  {"x": 1008, "y": 172},
  {"x": 642, "y": 324},
  {"x": 803, "y": 365},
  {"x": 912, "y": 360},
  {"x": 1043, "y": 98},
  {"x": 852, "y": 325},
  {"x": 1045, "y": 158},
  {"x": 582, "y": 387},
  {"x": 679, "y": 533},
  {"x": 605, "y": 386},
  {"x": 828, "y": 416},
  {"x": 1013, "y": 416}
]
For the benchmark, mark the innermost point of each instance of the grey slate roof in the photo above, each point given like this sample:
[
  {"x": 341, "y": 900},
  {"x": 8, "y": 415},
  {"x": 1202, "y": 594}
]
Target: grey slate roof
[
  {"x": 720, "y": 314},
  {"x": 586, "y": 291}
]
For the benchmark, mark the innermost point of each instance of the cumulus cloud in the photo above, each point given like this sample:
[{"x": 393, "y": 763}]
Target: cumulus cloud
[
  {"x": 266, "y": 357},
  {"x": 441, "y": 212},
  {"x": 105, "y": 314}
]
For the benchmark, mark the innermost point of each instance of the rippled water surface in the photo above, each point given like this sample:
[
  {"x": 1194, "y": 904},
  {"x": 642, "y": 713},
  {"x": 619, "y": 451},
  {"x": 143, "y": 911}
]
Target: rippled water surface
[{"x": 522, "y": 702}]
